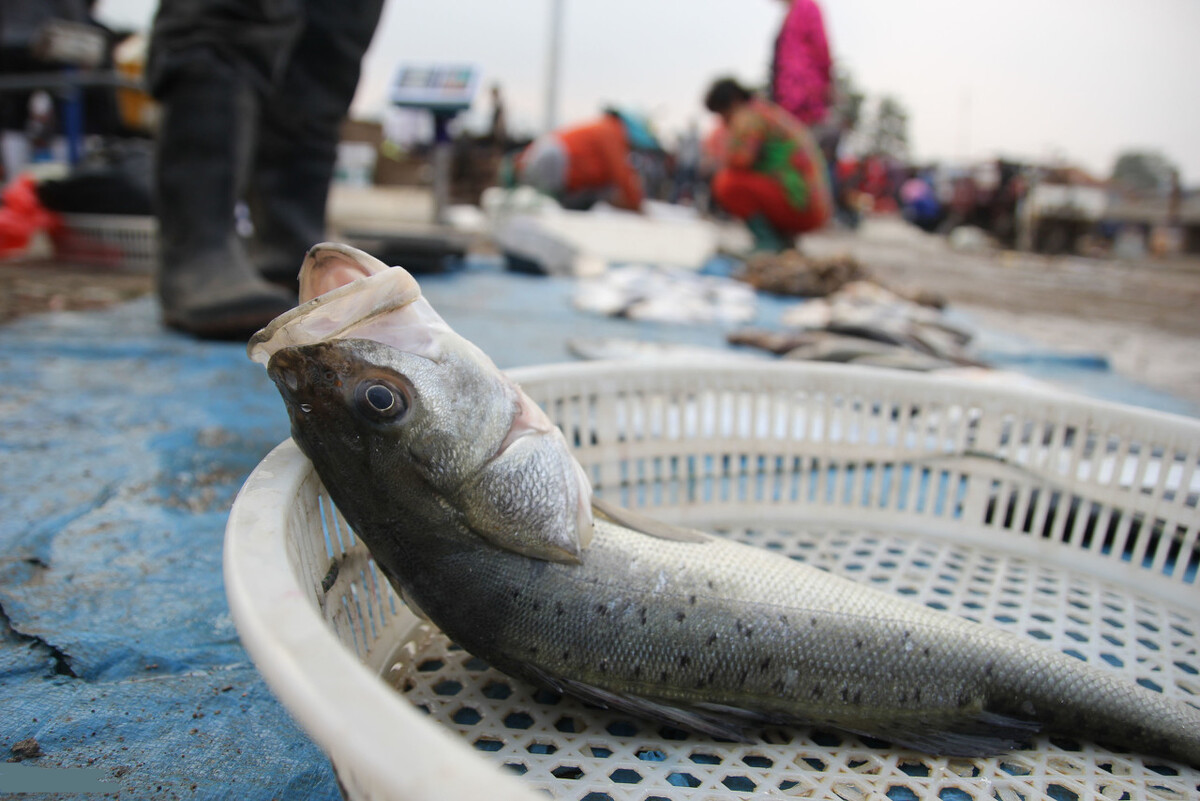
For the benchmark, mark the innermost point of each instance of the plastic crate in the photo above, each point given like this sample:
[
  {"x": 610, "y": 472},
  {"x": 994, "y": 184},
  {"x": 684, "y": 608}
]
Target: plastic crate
[
  {"x": 1060, "y": 518},
  {"x": 129, "y": 242}
]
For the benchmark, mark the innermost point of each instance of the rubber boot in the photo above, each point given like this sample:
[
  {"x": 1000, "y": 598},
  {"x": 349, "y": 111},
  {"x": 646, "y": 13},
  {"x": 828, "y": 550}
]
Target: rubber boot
[
  {"x": 299, "y": 133},
  {"x": 766, "y": 238},
  {"x": 206, "y": 284},
  {"x": 288, "y": 197}
]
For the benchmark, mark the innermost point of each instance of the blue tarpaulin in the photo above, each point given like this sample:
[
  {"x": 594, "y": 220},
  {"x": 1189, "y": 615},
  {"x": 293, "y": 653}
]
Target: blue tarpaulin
[{"x": 123, "y": 447}]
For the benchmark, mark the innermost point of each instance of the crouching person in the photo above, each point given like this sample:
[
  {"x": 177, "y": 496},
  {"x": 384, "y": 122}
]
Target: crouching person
[
  {"x": 584, "y": 164},
  {"x": 771, "y": 173}
]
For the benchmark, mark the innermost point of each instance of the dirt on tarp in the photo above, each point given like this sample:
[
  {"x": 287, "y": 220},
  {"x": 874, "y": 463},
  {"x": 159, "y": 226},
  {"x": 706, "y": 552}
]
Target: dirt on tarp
[
  {"x": 28, "y": 748},
  {"x": 32, "y": 286},
  {"x": 793, "y": 273}
]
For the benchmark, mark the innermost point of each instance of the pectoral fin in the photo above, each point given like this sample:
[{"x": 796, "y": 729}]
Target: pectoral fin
[
  {"x": 644, "y": 523},
  {"x": 685, "y": 718}
]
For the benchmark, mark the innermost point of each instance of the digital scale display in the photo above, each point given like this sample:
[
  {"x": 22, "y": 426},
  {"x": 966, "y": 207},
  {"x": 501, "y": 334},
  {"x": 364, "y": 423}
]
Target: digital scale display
[{"x": 442, "y": 88}]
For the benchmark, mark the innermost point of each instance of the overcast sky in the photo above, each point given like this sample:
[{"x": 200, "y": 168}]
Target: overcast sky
[{"x": 1075, "y": 80}]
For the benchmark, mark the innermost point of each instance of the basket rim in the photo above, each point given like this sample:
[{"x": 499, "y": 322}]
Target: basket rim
[
  {"x": 301, "y": 660},
  {"x": 859, "y": 376}
]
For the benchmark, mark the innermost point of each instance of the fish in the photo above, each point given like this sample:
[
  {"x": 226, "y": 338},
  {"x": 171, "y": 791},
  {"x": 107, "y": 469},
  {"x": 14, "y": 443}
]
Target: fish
[
  {"x": 826, "y": 346},
  {"x": 641, "y": 350},
  {"x": 475, "y": 510}
]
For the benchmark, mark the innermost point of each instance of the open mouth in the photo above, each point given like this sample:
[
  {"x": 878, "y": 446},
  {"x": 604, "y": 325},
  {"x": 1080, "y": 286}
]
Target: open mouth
[{"x": 349, "y": 294}]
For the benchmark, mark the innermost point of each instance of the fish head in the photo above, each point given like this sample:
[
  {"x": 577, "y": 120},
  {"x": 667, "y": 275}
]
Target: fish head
[{"x": 407, "y": 421}]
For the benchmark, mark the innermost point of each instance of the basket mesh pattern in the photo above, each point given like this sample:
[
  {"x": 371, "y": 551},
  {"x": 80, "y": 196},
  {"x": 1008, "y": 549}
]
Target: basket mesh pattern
[
  {"x": 109, "y": 240},
  {"x": 1072, "y": 525}
]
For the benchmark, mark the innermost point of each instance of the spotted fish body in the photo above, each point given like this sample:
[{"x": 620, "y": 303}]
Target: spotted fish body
[
  {"x": 663, "y": 622},
  {"x": 711, "y": 634}
]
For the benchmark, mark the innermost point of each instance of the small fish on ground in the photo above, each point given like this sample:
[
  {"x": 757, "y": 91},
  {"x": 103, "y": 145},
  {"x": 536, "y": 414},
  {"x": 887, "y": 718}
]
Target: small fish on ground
[
  {"x": 672, "y": 295},
  {"x": 865, "y": 323}
]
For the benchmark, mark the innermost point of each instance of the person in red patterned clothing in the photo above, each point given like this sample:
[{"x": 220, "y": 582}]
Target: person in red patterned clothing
[{"x": 772, "y": 173}]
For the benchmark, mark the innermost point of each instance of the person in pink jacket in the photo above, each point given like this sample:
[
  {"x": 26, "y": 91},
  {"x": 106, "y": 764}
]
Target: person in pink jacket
[
  {"x": 801, "y": 67},
  {"x": 802, "y": 83}
]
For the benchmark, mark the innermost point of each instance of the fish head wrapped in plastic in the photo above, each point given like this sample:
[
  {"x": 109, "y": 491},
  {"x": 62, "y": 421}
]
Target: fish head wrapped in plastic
[{"x": 413, "y": 422}]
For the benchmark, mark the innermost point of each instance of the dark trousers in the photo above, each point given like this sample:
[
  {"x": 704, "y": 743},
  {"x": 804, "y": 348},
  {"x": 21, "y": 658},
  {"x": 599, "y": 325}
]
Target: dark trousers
[{"x": 293, "y": 65}]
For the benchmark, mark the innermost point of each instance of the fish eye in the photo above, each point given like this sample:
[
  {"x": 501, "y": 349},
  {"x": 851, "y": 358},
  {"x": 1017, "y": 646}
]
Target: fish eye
[
  {"x": 379, "y": 400},
  {"x": 380, "y": 397}
]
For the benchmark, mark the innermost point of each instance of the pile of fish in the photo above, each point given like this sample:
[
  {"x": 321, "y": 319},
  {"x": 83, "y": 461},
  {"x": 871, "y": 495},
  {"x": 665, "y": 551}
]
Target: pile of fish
[
  {"x": 865, "y": 323},
  {"x": 674, "y": 295},
  {"x": 627, "y": 349},
  {"x": 474, "y": 508},
  {"x": 793, "y": 273},
  {"x": 847, "y": 317}
]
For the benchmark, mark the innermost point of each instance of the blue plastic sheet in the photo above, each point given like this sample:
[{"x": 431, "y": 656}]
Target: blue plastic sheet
[{"x": 123, "y": 446}]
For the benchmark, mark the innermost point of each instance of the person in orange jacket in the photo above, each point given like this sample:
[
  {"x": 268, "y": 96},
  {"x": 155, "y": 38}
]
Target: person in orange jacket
[
  {"x": 772, "y": 174},
  {"x": 583, "y": 164}
]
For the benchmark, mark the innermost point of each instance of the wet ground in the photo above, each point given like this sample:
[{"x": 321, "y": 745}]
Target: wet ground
[{"x": 1141, "y": 316}]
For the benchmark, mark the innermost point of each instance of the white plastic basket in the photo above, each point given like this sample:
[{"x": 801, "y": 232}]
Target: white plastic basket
[
  {"x": 129, "y": 242},
  {"x": 1068, "y": 520}
]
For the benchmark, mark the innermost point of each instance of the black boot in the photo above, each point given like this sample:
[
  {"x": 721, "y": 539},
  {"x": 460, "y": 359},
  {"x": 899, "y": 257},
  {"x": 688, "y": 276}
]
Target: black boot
[
  {"x": 288, "y": 196},
  {"x": 299, "y": 132},
  {"x": 206, "y": 284}
]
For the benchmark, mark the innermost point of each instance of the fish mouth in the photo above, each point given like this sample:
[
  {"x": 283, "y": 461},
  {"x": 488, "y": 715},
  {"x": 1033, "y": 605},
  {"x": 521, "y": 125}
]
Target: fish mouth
[{"x": 347, "y": 293}]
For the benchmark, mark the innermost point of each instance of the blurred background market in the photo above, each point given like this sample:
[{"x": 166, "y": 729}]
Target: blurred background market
[
  {"x": 995, "y": 154},
  {"x": 988, "y": 115},
  {"x": 1010, "y": 194}
]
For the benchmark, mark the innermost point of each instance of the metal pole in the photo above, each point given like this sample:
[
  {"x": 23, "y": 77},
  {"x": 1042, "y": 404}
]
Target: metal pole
[
  {"x": 443, "y": 150},
  {"x": 550, "y": 121}
]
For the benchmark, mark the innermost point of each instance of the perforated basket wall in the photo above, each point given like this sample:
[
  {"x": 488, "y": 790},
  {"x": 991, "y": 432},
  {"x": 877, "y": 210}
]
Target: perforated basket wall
[
  {"x": 1061, "y": 519},
  {"x": 109, "y": 240}
]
